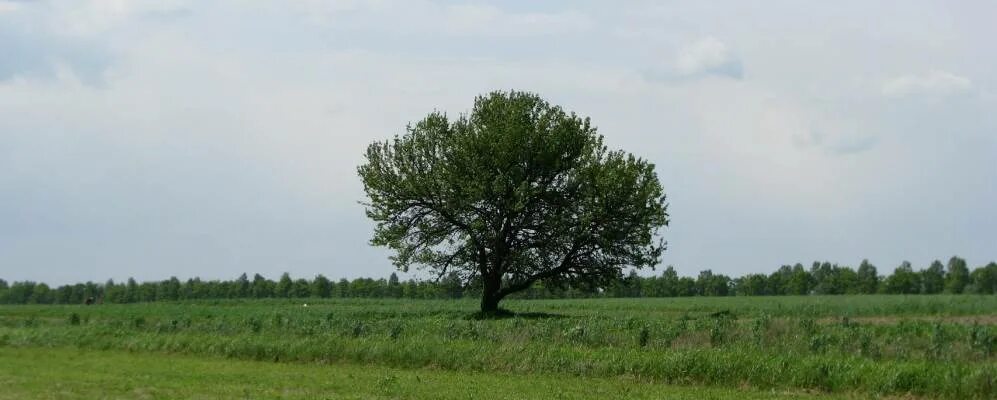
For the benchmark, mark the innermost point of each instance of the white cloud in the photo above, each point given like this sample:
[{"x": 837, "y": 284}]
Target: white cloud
[
  {"x": 93, "y": 17},
  {"x": 8, "y": 6},
  {"x": 933, "y": 83},
  {"x": 326, "y": 12},
  {"x": 32, "y": 45},
  {"x": 707, "y": 56},
  {"x": 415, "y": 16},
  {"x": 477, "y": 19}
]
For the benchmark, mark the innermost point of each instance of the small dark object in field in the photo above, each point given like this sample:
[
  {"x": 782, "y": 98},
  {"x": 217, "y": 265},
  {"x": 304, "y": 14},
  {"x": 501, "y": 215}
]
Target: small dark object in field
[
  {"x": 255, "y": 325},
  {"x": 722, "y": 314},
  {"x": 89, "y": 301},
  {"x": 643, "y": 337},
  {"x": 359, "y": 329},
  {"x": 576, "y": 333}
]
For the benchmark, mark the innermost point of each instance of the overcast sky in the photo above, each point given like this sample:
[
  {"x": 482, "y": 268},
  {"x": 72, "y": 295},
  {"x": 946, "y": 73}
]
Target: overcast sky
[{"x": 199, "y": 138}]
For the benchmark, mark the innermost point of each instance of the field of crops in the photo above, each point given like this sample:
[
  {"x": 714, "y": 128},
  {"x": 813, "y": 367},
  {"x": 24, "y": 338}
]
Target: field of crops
[{"x": 926, "y": 346}]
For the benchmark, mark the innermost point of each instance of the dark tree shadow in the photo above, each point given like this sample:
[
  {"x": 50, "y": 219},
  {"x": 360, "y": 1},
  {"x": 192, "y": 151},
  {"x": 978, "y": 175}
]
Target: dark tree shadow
[
  {"x": 723, "y": 314},
  {"x": 506, "y": 314}
]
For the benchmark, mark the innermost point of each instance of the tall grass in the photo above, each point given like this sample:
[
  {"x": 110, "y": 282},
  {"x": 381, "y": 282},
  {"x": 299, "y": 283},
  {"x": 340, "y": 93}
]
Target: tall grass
[{"x": 924, "y": 345}]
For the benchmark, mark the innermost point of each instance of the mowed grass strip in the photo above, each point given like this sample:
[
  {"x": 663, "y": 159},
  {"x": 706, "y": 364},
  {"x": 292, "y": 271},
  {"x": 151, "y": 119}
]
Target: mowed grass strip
[{"x": 61, "y": 373}]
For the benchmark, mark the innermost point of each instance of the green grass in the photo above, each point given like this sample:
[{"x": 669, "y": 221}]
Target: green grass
[
  {"x": 67, "y": 374},
  {"x": 932, "y": 346}
]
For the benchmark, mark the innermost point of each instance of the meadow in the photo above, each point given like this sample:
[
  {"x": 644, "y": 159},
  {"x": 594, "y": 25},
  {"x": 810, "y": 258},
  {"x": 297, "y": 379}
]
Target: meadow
[{"x": 937, "y": 346}]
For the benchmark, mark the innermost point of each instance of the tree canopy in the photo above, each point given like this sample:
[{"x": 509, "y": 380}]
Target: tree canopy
[{"x": 518, "y": 191}]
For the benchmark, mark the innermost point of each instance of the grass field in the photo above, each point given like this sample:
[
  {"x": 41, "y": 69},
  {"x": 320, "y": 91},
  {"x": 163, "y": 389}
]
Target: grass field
[
  {"x": 925, "y": 346},
  {"x": 69, "y": 373}
]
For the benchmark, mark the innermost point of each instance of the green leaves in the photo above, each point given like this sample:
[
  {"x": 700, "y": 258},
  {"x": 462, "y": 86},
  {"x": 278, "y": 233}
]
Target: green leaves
[{"x": 515, "y": 192}]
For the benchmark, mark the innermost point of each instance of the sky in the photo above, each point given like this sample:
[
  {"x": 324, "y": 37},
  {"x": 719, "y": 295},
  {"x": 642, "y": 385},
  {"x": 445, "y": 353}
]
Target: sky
[{"x": 211, "y": 138}]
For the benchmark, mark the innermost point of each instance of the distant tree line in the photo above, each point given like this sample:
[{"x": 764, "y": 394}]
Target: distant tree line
[{"x": 822, "y": 278}]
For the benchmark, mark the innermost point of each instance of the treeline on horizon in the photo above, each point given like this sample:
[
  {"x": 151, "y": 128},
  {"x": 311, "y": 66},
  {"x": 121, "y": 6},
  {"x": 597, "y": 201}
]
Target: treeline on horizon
[{"x": 822, "y": 278}]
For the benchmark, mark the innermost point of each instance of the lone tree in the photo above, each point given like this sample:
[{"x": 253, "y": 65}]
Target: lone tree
[{"x": 516, "y": 192}]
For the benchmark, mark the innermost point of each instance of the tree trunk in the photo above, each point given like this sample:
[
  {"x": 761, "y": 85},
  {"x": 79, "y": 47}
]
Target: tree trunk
[
  {"x": 489, "y": 303},
  {"x": 490, "y": 295}
]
